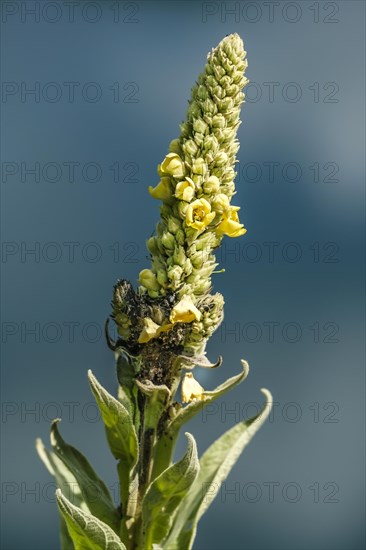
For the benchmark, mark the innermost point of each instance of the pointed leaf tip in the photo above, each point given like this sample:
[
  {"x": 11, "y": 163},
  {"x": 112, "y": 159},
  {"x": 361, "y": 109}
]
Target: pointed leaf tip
[{"x": 87, "y": 532}]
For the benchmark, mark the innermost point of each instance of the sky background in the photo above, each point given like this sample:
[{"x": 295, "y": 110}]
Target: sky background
[{"x": 110, "y": 85}]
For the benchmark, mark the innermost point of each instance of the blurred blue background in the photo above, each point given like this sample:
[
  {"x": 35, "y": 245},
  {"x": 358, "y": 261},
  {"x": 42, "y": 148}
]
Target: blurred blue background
[{"x": 110, "y": 85}]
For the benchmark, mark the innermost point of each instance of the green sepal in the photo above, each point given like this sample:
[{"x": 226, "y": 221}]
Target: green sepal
[
  {"x": 216, "y": 464},
  {"x": 86, "y": 531},
  {"x": 166, "y": 493},
  {"x": 94, "y": 492},
  {"x": 121, "y": 435}
]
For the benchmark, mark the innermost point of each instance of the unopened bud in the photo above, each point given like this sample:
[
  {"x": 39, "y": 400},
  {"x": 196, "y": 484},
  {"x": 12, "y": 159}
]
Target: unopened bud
[
  {"x": 212, "y": 185},
  {"x": 220, "y": 203},
  {"x": 168, "y": 240},
  {"x": 199, "y": 167},
  {"x": 200, "y": 126},
  {"x": 190, "y": 147},
  {"x": 148, "y": 279}
]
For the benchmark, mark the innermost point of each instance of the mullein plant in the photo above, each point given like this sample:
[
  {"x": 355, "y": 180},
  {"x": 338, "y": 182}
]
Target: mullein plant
[{"x": 163, "y": 328}]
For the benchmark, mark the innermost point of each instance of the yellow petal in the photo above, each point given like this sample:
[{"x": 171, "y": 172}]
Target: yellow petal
[
  {"x": 172, "y": 165},
  {"x": 199, "y": 214},
  {"x": 230, "y": 224},
  {"x": 151, "y": 330},
  {"x": 185, "y": 311},
  {"x": 191, "y": 389},
  {"x": 185, "y": 190}
]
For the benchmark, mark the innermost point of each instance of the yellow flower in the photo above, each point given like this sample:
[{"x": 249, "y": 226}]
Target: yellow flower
[
  {"x": 185, "y": 311},
  {"x": 172, "y": 165},
  {"x": 151, "y": 330},
  {"x": 230, "y": 224},
  {"x": 191, "y": 389},
  {"x": 185, "y": 190},
  {"x": 163, "y": 191},
  {"x": 199, "y": 214}
]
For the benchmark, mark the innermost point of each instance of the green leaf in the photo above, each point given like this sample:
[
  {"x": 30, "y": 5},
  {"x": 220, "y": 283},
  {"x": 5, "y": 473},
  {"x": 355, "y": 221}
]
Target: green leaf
[
  {"x": 93, "y": 490},
  {"x": 127, "y": 368},
  {"x": 166, "y": 493},
  {"x": 157, "y": 398},
  {"x": 216, "y": 464},
  {"x": 120, "y": 432},
  {"x": 64, "y": 481},
  {"x": 86, "y": 531},
  {"x": 156, "y": 404},
  {"x": 189, "y": 362}
]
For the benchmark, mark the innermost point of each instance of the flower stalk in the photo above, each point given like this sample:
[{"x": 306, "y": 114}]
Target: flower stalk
[{"x": 163, "y": 328}]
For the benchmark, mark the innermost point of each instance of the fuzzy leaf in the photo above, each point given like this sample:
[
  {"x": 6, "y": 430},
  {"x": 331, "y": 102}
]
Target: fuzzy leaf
[
  {"x": 127, "y": 368},
  {"x": 189, "y": 362},
  {"x": 166, "y": 493},
  {"x": 94, "y": 492},
  {"x": 157, "y": 399},
  {"x": 64, "y": 481},
  {"x": 120, "y": 432},
  {"x": 216, "y": 464},
  {"x": 87, "y": 532}
]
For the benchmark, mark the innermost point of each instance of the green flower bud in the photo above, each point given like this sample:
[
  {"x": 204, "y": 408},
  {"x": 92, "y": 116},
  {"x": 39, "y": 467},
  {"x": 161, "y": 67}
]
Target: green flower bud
[
  {"x": 199, "y": 258},
  {"x": 185, "y": 129},
  {"x": 210, "y": 143},
  {"x": 182, "y": 209},
  {"x": 198, "y": 138},
  {"x": 162, "y": 277},
  {"x": 194, "y": 110},
  {"x": 209, "y": 106},
  {"x": 219, "y": 72},
  {"x": 198, "y": 180},
  {"x": 152, "y": 245},
  {"x": 148, "y": 279},
  {"x": 187, "y": 267},
  {"x": 175, "y": 273},
  {"x": 226, "y": 104},
  {"x": 179, "y": 256},
  {"x": 229, "y": 175},
  {"x": 221, "y": 158},
  {"x": 220, "y": 203},
  {"x": 173, "y": 224},
  {"x": 218, "y": 121},
  {"x": 175, "y": 147},
  {"x": 212, "y": 185},
  {"x": 154, "y": 293},
  {"x": 168, "y": 240},
  {"x": 180, "y": 237},
  {"x": 190, "y": 147},
  {"x": 199, "y": 166},
  {"x": 200, "y": 126}
]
